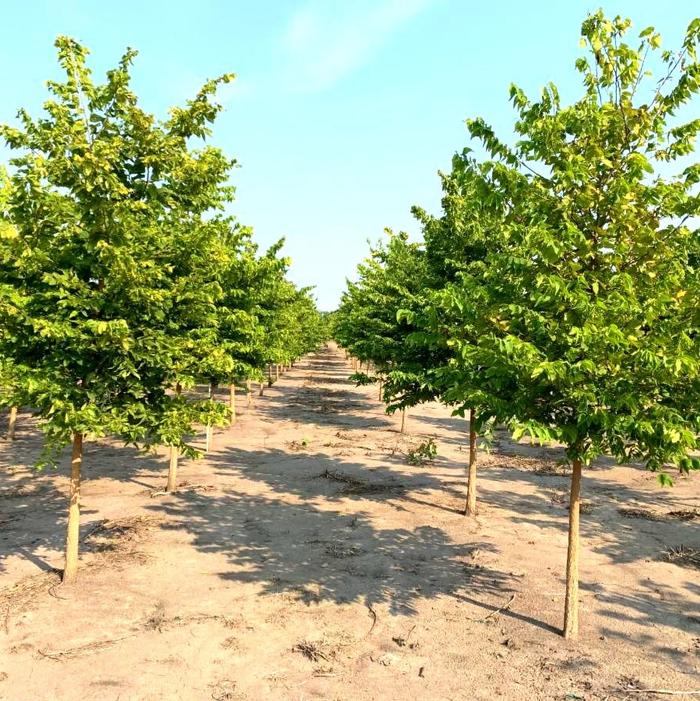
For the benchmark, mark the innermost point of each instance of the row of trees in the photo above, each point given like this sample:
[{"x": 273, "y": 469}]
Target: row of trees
[
  {"x": 123, "y": 282},
  {"x": 557, "y": 292}
]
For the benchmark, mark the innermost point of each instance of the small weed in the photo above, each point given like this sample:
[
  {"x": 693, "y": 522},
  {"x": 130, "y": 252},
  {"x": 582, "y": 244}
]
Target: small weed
[
  {"x": 302, "y": 444},
  {"x": 156, "y": 620},
  {"x": 424, "y": 453}
]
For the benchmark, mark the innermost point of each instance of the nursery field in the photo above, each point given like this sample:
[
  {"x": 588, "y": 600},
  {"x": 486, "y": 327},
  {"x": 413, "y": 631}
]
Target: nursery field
[{"x": 314, "y": 554}]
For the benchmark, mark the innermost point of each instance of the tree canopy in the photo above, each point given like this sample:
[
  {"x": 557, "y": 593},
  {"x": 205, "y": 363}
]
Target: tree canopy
[{"x": 559, "y": 292}]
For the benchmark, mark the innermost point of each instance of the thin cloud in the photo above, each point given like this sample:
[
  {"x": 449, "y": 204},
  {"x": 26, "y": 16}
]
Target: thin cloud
[{"x": 326, "y": 40}]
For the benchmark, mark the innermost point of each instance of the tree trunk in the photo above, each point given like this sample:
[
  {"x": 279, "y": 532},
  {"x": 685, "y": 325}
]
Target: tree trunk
[
  {"x": 380, "y": 390},
  {"x": 232, "y": 402},
  {"x": 403, "y": 420},
  {"x": 262, "y": 388},
  {"x": 277, "y": 372},
  {"x": 174, "y": 453},
  {"x": 70, "y": 571},
  {"x": 12, "y": 420},
  {"x": 470, "y": 509},
  {"x": 571, "y": 603},
  {"x": 249, "y": 393},
  {"x": 172, "y": 470},
  {"x": 210, "y": 428}
]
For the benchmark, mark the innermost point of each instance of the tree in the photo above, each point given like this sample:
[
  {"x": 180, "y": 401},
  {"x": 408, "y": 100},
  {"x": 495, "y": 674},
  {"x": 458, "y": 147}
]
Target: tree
[
  {"x": 103, "y": 197},
  {"x": 292, "y": 326},
  {"x": 199, "y": 255},
  {"x": 262, "y": 318},
  {"x": 7, "y": 233},
  {"x": 369, "y": 324},
  {"x": 240, "y": 329},
  {"x": 583, "y": 297},
  {"x": 563, "y": 275},
  {"x": 456, "y": 244},
  {"x": 304, "y": 329}
]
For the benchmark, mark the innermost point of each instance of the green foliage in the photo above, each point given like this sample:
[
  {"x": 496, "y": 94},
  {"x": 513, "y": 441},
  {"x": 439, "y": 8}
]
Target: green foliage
[
  {"x": 102, "y": 282},
  {"x": 557, "y": 291},
  {"x": 447, "y": 322},
  {"x": 424, "y": 453},
  {"x": 369, "y": 325},
  {"x": 583, "y": 333},
  {"x": 120, "y": 277}
]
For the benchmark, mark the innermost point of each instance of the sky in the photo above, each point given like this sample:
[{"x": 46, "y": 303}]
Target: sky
[{"x": 342, "y": 113}]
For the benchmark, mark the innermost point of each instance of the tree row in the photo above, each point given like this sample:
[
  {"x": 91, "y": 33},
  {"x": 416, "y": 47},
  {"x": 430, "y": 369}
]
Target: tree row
[
  {"x": 124, "y": 282},
  {"x": 556, "y": 294}
]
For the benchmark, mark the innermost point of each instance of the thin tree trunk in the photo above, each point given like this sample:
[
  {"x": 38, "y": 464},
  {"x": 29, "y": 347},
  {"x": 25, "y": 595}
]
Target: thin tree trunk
[
  {"x": 210, "y": 428},
  {"x": 470, "y": 509},
  {"x": 171, "y": 486},
  {"x": 12, "y": 420},
  {"x": 70, "y": 571},
  {"x": 571, "y": 603},
  {"x": 249, "y": 393},
  {"x": 232, "y": 402},
  {"x": 380, "y": 390},
  {"x": 277, "y": 372},
  {"x": 174, "y": 454},
  {"x": 262, "y": 388},
  {"x": 403, "y": 420}
]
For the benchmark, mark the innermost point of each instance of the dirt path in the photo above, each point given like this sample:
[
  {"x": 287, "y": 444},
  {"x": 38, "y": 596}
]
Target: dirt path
[{"x": 306, "y": 559}]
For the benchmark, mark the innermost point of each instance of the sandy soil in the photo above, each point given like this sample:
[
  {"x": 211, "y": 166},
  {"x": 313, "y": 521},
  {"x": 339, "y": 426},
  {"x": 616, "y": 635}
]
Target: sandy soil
[{"x": 304, "y": 558}]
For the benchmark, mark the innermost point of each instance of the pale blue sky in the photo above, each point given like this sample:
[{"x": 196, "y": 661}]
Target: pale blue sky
[{"x": 342, "y": 112}]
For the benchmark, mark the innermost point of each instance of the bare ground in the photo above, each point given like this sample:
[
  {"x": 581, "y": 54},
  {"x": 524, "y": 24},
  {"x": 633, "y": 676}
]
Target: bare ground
[{"x": 304, "y": 558}]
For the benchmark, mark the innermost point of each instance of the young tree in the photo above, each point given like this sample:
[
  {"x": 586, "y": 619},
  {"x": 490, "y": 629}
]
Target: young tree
[
  {"x": 262, "y": 318},
  {"x": 239, "y": 326},
  {"x": 368, "y": 323},
  {"x": 303, "y": 329},
  {"x": 7, "y": 233},
  {"x": 103, "y": 199},
  {"x": 583, "y": 296},
  {"x": 456, "y": 244}
]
